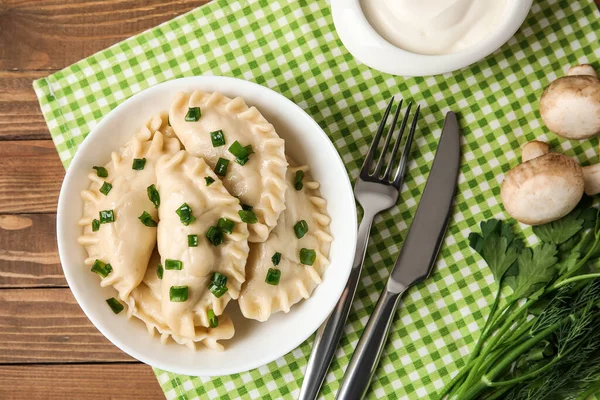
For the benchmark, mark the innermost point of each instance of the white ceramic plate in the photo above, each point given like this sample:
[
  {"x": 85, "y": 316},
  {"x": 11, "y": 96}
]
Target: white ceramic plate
[
  {"x": 254, "y": 343},
  {"x": 364, "y": 43}
]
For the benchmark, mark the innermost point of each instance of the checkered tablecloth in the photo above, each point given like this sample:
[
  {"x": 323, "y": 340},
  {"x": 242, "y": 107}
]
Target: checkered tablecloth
[{"x": 292, "y": 48}]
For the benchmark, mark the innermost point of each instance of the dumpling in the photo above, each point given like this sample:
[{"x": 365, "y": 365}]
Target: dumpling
[
  {"x": 148, "y": 308},
  {"x": 119, "y": 219},
  {"x": 241, "y": 146},
  {"x": 294, "y": 256},
  {"x": 202, "y": 241}
]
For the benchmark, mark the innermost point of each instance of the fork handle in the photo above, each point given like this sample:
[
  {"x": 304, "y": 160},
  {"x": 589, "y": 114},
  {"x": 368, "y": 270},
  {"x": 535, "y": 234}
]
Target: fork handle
[
  {"x": 365, "y": 359},
  {"x": 329, "y": 334}
]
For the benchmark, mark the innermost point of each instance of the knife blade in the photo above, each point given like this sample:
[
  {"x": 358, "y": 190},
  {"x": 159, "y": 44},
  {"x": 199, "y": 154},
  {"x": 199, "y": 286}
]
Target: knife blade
[{"x": 414, "y": 263}]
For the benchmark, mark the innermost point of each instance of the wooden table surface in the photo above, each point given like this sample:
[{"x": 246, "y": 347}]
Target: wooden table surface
[{"x": 48, "y": 348}]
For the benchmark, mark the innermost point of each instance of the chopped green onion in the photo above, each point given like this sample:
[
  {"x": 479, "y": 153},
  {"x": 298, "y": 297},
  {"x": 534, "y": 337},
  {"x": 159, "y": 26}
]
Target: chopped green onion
[
  {"x": 153, "y": 195},
  {"x": 218, "y": 284},
  {"x": 240, "y": 152},
  {"x": 147, "y": 220},
  {"x": 178, "y": 294},
  {"x": 115, "y": 305},
  {"x": 214, "y": 235},
  {"x": 169, "y": 120},
  {"x": 138, "y": 164},
  {"x": 276, "y": 258},
  {"x": 300, "y": 229},
  {"x": 298, "y": 180},
  {"x": 273, "y": 276},
  {"x": 226, "y": 225},
  {"x": 159, "y": 271},
  {"x": 221, "y": 167},
  {"x": 105, "y": 189},
  {"x": 217, "y": 138},
  {"x": 95, "y": 225},
  {"x": 185, "y": 214},
  {"x": 173, "y": 264},
  {"x": 213, "y": 321},
  {"x": 209, "y": 180},
  {"x": 307, "y": 256},
  {"x": 192, "y": 240},
  {"x": 247, "y": 207},
  {"x": 107, "y": 216},
  {"x": 249, "y": 149},
  {"x": 248, "y": 216},
  {"x": 101, "y": 269},
  {"x": 101, "y": 172},
  {"x": 193, "y": 114}
]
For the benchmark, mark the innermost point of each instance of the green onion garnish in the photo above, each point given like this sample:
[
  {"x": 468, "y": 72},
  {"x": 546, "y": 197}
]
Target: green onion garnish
[
  {"x": 169, "y": 120},
  {"x": 107, "y": 216},
  {"x": 217, "y": 138},
  {"x": 276, "y": 258},
  {"x": 185, "y": 214},
  {"x": 138, "y": 164},
  {"x": 226, "y": 225},
  {"x": 273, "y": 276},
  {"x": 300, "y": 229},
  {"x": 115, "y": 305},
  {"x": 178, "y": 294},
  {"x": 213, "y": 321},
  {"x": 101, "y": 269},
  {"x": 214, "y": 235},
  {"x": 153, "y": 195},
  {"x": 247, "y": 207},
  {"x": 307, "y": 256},
  {"x": 248, "y": 216},
  {"x": 193, "y": 114},
  {"x": 218, "y": 284},
  {"x": 147, "y": 220},
  {"x": 173, "y": 264},
  {"x": 101, "y": 172},
  {"x": 240, "y": 152},
  {"x": 159, "y": 271},
  {"x": 192, "y": 240},
  {"x": 209, "y": 180},
  {"x": 298, "y": 180},
  {"x": 221, "y": 167},
  {"x": 105, "y": 189},
  {"x": 95, "y": 225}
]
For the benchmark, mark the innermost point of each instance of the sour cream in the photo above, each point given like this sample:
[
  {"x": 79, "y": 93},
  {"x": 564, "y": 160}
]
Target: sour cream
[{"x": 434, "y": 26}]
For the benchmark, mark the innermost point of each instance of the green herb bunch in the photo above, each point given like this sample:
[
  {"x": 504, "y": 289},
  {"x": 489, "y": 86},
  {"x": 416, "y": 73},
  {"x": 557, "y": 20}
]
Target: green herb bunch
[{"x": 542, "y": 342}]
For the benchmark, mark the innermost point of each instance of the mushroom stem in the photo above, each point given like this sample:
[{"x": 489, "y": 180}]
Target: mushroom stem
[
  {"x": 591, "y": 179},
  {"x": 533, "y": 150},
  {"x": 583, "y": 69}
]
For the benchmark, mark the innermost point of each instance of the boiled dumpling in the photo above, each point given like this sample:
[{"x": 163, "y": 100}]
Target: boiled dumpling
[
  {"x": 203, "y": 244},
  {"x": 288, "y": 266},
  {"x": 119, "y": 219},
  {"x": 241, "y": 146}
]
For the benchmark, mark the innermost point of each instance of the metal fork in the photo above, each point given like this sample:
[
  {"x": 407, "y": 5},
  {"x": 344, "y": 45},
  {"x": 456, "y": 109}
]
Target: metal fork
[{"x": 375, "y": 191}]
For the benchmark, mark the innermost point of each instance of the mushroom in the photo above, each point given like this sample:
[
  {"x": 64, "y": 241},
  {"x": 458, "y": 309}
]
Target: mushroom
[
  {"x": 570, "y": 106},
  {"x": 544, "y": 187}
]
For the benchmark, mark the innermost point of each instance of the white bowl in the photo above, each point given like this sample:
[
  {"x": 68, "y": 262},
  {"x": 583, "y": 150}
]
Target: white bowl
[
  {"x": 364, "y": 43},
  {"x": 254, "y": 343}
]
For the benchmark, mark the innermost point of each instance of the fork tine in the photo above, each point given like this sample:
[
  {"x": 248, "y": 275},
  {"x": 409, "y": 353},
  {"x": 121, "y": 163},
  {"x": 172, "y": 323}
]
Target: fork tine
[
  {"x": 406, "y": 151},
  {"x": 375, "y": 142},
  {"x": 388, "y": 170},
  {"x": 386, "y": 144}
]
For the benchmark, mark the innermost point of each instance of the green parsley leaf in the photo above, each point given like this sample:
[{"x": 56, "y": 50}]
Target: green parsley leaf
[{"x": 536, "y": 269}]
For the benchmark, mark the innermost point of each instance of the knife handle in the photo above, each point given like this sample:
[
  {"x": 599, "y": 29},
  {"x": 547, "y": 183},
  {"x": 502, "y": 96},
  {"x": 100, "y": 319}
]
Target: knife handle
[{"x": 368, "y": 351}]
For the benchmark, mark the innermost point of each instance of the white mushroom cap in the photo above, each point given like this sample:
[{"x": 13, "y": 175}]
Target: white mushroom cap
[
  {"x": 533, "y": 149},
  {"x": 583, "y": 69},
  {"x": 570, "y": 106},
  {"x": 542, "y": 189}
]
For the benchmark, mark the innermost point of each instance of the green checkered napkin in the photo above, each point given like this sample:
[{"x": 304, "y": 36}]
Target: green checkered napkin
[{"x": 292, "y": 47}]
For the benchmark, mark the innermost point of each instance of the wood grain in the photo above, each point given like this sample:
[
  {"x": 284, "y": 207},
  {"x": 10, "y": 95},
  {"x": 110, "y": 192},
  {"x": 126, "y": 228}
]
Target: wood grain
[
  {"x": 20, "y": 114},
  {"x": 90, "y": 382},
  {"x": 28, "y": 251},
  {"x": 47, "y": 325},
  {"x": 31, "y": 176},
  {"x": 51, "y": 34}
]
